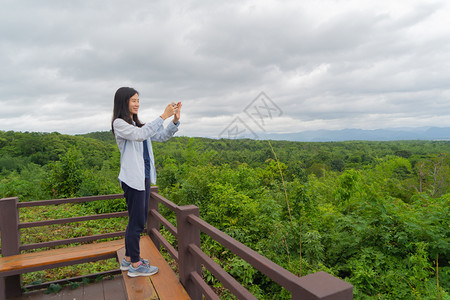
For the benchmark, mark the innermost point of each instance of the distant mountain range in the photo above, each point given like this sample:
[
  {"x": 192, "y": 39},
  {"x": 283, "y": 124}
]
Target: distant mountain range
[{"x": 390, "y": 134}]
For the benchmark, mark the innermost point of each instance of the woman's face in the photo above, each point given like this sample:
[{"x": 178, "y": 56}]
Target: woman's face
[{"x": 133, "y": 106}]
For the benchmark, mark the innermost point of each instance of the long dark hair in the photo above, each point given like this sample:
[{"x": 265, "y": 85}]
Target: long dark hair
[{"x": 121, "y": 106}]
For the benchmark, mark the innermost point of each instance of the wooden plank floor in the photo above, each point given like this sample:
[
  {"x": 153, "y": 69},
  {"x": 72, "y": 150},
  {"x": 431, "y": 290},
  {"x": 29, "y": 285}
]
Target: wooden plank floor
[
  {"x": 164, "y": 285},
  {"x": 107, "y": 289}
]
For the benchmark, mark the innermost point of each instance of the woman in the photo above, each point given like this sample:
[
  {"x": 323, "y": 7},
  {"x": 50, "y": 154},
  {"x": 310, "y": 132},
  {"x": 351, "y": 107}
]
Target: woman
[{"x": 137, "y": 168}]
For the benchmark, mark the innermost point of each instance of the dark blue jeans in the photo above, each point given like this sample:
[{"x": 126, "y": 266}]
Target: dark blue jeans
[{"x": 137, "y": 203}]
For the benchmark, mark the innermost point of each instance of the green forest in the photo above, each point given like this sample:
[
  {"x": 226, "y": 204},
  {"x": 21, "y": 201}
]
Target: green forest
[{"x": 375, "y": 214}]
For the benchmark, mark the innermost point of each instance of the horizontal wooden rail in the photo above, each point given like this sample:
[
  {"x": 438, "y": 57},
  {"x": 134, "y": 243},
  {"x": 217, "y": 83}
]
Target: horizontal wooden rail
[
  {"x": 10, "y": 228},
  {"x": 166, "y": 244},
  {"x": 205, "y": 288},
  {"x": 170, "y": 205},
  {"x": 73, "y": 219},
  {"x": 227, "y": 280},
  {"x": 35, "y": 261},
  {"x": 83, "y": 239},
  {"x": 269, "y": 268},
  {"x": 319, "y": 285},
  {"x": 68, "y": 200},
  {"x": 189, "y": 255},
  {"x": 172, "y": 229}
]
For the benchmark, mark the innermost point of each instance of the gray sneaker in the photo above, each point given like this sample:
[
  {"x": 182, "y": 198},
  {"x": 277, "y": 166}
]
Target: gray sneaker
[
  {"x": 142, "y": 270},
  {"x": 125, "y": 265}
]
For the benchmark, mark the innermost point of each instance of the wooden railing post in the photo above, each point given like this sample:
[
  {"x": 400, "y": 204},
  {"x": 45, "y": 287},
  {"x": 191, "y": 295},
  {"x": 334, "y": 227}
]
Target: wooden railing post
[
  {"x": 187, "y": 263},
  {"x": 321, "y": 286},
  {"x": 10, "y": 235},
  {"x": 152, "y": 222}
]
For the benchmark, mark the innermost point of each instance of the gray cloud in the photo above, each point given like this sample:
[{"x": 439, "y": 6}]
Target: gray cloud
[{"x": 327, "y": 64}]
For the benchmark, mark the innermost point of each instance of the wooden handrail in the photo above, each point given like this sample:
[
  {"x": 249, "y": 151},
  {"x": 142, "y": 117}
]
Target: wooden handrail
[
  {"x": 227, "y": 280},
  {"x": 83, "y": 239},
  {"x": 170, "y": 205},
  {"x": 204, "y": 287},
  {"x": 189, "y": 256},
  {"x": 261, "y": 263},
  {"x": 73, "y": 219},
  {"x": 68, "y": 200},
  {"x": 10, "y": 229},
  {"x": 172, "y": 229},
  {"x": 166, "y": 244}
]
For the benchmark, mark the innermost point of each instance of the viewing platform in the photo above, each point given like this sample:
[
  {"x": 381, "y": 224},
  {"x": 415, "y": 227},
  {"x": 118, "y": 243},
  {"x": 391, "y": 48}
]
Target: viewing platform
[{"x": 166, "y": 284}]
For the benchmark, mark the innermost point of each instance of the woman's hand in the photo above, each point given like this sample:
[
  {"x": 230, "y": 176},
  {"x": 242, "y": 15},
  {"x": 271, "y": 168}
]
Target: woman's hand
[
  {"x": 169, "y": 111},
  {"x": 176, "y": 118}
]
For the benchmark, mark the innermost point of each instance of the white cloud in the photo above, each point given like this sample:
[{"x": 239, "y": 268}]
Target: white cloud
[{"x": 328, "y": 64}]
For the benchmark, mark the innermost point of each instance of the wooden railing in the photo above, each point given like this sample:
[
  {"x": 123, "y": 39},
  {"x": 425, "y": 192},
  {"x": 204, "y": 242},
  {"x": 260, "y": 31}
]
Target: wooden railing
[
  {"x": 189, "y": 256},
  {"x": 10, "y": 227},
  {"x": 9, "y": 221}
]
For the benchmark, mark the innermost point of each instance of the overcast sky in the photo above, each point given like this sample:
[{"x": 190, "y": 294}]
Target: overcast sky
[{"x": 325, "y": 64}]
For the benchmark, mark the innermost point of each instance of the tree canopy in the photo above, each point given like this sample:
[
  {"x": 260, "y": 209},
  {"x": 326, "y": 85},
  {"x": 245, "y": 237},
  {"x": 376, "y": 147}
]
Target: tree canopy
[{"x": 372, "y": 213}]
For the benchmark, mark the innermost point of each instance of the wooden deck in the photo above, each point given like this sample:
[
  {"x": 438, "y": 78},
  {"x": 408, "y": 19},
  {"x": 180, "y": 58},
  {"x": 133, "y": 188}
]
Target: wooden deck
[
  {"x": 189, "y": 256},
  {"x": 164, "y": 285},
  {"x": 107, "y": 289}
]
